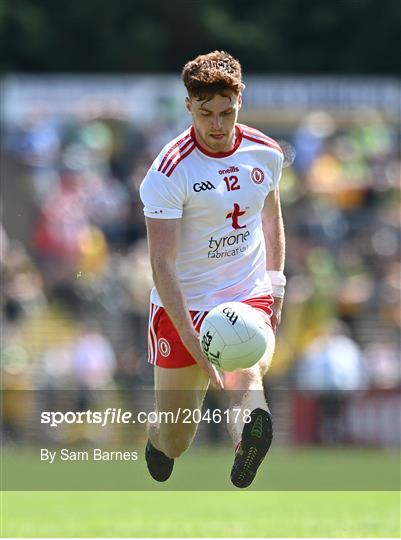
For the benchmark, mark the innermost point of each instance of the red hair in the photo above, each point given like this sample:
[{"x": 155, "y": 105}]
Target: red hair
[{"x": 213, "y": 73}]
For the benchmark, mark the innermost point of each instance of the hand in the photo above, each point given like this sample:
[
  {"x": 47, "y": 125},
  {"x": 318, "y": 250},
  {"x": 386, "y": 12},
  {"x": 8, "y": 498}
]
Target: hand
[
  {"x": 276, "y": 317},
  {"x": 191, "y": 342}
]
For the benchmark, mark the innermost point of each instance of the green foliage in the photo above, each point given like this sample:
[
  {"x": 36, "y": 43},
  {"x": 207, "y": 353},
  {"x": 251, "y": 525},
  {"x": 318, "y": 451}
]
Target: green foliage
[{"x": 290, "y": 36}]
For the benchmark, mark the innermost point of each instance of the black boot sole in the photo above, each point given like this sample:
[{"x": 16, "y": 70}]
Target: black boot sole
[
  {"x": 257, "y": 437},
  {"x": 159, "y": 465}
]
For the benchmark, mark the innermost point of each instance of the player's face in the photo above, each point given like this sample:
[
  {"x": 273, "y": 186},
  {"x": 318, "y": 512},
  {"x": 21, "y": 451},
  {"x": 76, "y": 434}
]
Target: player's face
[{"x": 214, "y": 120}]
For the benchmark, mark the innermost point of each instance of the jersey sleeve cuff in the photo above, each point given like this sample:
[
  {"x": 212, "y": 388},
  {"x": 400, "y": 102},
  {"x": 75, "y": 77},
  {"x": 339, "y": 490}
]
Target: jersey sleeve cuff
[{"x": 162, "y": 214}]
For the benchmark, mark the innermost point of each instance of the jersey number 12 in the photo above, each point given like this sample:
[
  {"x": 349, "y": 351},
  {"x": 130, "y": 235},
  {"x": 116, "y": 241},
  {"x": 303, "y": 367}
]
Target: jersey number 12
[{"x": 231, "y": 183}]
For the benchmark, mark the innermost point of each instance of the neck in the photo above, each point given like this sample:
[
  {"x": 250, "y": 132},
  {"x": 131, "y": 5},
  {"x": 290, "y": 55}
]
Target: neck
[{"x": 226, "y": 147}]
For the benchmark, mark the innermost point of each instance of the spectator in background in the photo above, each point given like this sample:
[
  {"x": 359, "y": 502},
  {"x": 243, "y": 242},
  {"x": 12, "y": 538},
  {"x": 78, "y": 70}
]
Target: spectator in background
[
  {"x": 93, "y": 359},
  {"x": 64, "y": 217},
  {"x": 36, "y": 143},
  {"x": 93, "y": 364},
  {"x": 331, "y": 366},
  {"x": 332, "y": 362},
  {"x": 383, "y": 363},
  {"x": 109, "y": 207},
  {"x": 310, "y": 139}
]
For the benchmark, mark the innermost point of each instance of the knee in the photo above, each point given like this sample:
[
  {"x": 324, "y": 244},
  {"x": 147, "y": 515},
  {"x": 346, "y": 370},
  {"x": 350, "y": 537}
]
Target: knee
[
  {"x": 174, "y": 444},
  {"x": 244, "y": 379}
]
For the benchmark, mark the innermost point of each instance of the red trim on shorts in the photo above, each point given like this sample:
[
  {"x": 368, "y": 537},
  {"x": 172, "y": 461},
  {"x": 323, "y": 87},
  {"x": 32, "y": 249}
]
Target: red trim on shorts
[
  {"x": 164, "y": 344},
  {"x": 262, "y": 304}
]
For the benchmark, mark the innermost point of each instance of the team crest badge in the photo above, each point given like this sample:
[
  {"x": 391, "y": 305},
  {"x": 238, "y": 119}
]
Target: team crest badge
[
  {"x": 257, "y": 175},
  {"x": 164, "y": 347}
]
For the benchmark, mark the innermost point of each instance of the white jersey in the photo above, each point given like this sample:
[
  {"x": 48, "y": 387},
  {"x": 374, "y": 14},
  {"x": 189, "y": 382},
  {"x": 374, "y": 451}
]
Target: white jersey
[{"x": 219, "y": 198}]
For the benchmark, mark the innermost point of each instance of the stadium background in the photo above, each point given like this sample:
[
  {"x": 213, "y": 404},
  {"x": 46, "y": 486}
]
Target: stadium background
[{"x": 89, "y": 96}]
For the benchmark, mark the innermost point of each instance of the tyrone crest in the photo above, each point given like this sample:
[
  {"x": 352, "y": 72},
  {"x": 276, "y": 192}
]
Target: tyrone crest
[
  {"x": 164, "y": 347},
  {"x": 257, "y": 175}
]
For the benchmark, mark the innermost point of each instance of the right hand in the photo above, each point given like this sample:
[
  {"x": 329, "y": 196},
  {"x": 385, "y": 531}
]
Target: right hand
[{"x": 191, "y": 342}]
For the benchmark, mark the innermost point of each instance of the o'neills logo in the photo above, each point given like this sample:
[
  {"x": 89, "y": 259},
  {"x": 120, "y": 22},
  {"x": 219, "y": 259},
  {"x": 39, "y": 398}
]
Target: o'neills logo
[{"x": 229, "y": 170}]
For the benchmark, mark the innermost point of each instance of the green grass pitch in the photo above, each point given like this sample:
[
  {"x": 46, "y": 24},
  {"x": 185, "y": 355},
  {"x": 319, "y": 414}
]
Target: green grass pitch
[
  {"x": 201, "y": 514},
  {"x": 266, "y": 510}
]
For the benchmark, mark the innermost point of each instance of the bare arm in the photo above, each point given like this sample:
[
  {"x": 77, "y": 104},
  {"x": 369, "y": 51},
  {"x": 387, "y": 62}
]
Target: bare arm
[
  {"x": 273, "y": 231},
  {"x": 163, "y": 239}
]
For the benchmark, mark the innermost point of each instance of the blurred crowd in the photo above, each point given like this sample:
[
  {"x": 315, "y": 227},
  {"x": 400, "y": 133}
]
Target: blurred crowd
[{"x": 76, "y": 275}]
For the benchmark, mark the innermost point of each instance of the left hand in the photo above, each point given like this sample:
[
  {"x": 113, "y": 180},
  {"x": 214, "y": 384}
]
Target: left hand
[{"x": 276, "y": 317}]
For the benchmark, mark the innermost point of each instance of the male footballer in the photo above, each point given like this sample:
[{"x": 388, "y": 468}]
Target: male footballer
[{"x": 215, "y": 233}]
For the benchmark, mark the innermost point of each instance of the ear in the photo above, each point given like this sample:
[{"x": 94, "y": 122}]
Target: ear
[
  {"x": 239, "y": 101},
  {"x": 188, "y": 104}
]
